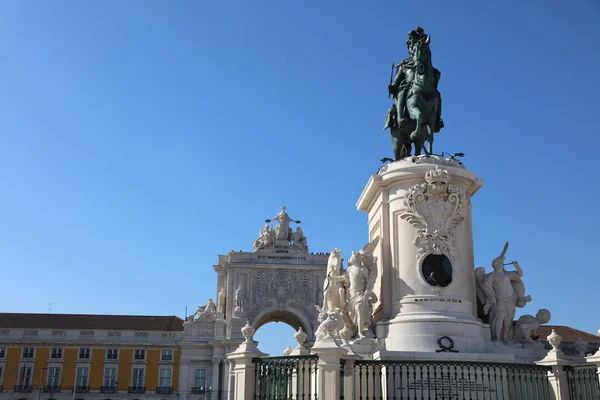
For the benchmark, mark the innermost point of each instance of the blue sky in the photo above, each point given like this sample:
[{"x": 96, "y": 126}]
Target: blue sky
[{"x": 140, "y": 139}]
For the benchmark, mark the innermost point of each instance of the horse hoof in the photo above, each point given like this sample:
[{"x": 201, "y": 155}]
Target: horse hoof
[{"x": 413, "y": 136}]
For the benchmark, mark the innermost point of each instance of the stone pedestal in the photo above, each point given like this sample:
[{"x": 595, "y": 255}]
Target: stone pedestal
[
  {"x": 328, "y": 378},
  {"x": 243, "y": 371},
  {"x": 420, "y": 209},
  {"x": 559, "y": 384}
]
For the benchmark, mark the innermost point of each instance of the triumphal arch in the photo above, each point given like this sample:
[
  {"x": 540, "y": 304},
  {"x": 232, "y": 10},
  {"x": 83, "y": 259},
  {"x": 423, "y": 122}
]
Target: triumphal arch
[{"x": 280, "y": 280}]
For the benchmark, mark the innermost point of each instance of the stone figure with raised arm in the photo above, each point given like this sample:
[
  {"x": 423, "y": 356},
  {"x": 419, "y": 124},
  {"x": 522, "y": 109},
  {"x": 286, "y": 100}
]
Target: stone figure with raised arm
[
  {"x": 360, "y": 280},
  {"x": 205, "y": 312},
  {"x": 265, "y": 238},
  {"x": 282, "y": 230},
  {"x": 221, "y": 301},
  {"x": 240, "y": 299},
  {"x": 501, "y": 292},
  {"x": 527, "y": 325}
]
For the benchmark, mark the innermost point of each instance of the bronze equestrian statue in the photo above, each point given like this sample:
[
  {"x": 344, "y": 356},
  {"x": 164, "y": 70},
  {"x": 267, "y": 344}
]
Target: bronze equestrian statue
[{"x": 416, "y": 113}]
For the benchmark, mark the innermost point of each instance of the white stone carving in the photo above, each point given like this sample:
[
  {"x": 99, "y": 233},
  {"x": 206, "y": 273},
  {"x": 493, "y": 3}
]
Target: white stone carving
[
  {"x": 435, "y": 208},
  {"x": 360, "y": 279},
  {"x": 300, "y": 337},
  {"x": 527, "y": 325},
  {"x": 334, "y": 292},
  {"x": 205, "y": 313},
  {"x": 281, "y": 288},
  {"x": 266, "y": 238},
  {"x": 501, "y": 292},
  {"x": 299, "y": 241},
  {"x": 248, "y": 332},
  {"x": 240, "y": 299},
  {"x": 288, "y": 350},
  {"x": 331, "y": 324},
  {"x": 554, "y": 339},
  {"x": 282, "y": 230},
  {"x": 221, "y": 301},
  {"x": 348, "y": 297}
]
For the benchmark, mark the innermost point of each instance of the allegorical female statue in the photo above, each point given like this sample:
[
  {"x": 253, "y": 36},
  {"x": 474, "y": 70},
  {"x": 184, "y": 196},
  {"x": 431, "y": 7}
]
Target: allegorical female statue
[{"x": 282, "y": 230}]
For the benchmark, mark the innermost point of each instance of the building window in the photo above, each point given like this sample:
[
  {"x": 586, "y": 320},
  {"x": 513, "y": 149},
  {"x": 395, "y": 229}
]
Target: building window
[
  {"x": 25, "y": 376},
  {"x": 84, "y": 353},
  {"x": 110, "y": 377},
  {"x": 54, "y": 376},
  {"x": 137, "y": 380},
  {"x": 200, "y": 378},
  {"x": 56, "y": 353},
  {"x": 139, "y": 354},
  {"x": 1, "y": 371},
  {"x": 165, "y": 377},
  {"x": 83, "y": 374},
  {"x": 28, "y": 352},
  {"x": 166, "y": 355},
  {"x": 2, "y": 352},
  {"x": 112, "y": 354}
]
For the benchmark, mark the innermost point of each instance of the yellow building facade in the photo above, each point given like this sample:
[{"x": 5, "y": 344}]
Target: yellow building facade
[{"x": 53, "y": 356}]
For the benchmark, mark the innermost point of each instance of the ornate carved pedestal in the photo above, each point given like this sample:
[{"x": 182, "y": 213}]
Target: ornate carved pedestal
[{"x": 420, "y": 208}]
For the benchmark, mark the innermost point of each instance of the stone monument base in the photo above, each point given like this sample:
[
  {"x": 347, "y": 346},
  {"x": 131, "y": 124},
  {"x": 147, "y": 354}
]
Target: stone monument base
[{"x": 423, "y": 332}]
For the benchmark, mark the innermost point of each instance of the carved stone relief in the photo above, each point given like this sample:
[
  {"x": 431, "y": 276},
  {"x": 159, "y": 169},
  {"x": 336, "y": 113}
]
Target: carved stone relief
[
  {"x": 279, "y": 288},
  {"x": 435, "y": 208}
]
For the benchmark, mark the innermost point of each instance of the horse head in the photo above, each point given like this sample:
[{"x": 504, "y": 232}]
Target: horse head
[{"x": 421, "y": 55}]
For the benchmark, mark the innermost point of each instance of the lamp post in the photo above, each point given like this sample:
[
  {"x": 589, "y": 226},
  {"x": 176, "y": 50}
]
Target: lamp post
[
  {"x": 39, "y": 384},
  {"x": 207, "y": 392}
]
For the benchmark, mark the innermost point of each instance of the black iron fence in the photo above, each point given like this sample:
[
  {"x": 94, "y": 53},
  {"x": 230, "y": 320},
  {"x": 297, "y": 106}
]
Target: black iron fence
[
  {"x": 435, "y": 380},
  {"x": 583, "y": 382},
  {"x": 285, "y": 378}
]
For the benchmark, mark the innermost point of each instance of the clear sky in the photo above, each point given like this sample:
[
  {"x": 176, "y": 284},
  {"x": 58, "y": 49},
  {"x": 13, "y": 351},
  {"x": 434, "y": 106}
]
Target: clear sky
[{"x": 141, "y": 139}]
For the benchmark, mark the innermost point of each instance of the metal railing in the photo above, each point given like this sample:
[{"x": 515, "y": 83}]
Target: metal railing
[
  {"x": 108, "y": 389},
  {"x": 285, "y": 378},
  {"x": 23, "y": 389},
  {"x": 164, "y": 389},
  {"x": 440, "y": 380},
  {"x": 137, "y": 389},
  {"x": 583, "y": 382},
  {"x": 198, "y": 390},
  {"x": 82, "y": 389},
  {"x": 51, "y": 389}
]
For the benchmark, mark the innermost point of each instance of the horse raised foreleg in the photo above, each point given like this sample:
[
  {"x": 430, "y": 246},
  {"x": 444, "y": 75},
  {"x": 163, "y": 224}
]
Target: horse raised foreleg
[{"x": 419, "y": 122}]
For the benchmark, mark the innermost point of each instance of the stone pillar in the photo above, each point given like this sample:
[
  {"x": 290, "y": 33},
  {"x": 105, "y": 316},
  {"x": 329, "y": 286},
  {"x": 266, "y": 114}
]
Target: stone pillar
[
  {"x": 215, "y": 376},
  {"x": 328, "y": 374},
  {"x": 244, "y": 368},
  {"x": 229, "y": 382},
  {"x": 348, "y": 382},
  {"x": 184, "y": 374},
  {"x": 420, "y": 209},
  {"x": 595, "y": 359},
  {"x": 559, "y": 387}
]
